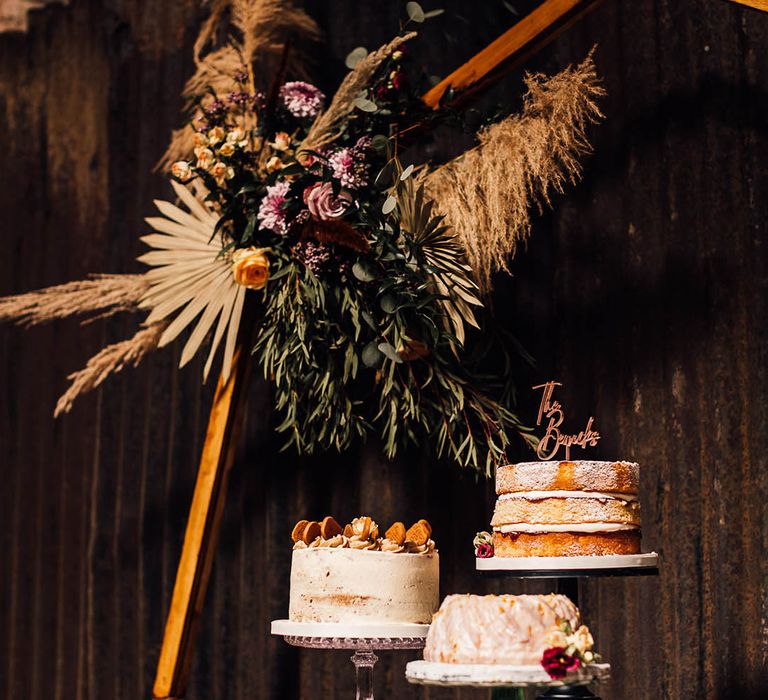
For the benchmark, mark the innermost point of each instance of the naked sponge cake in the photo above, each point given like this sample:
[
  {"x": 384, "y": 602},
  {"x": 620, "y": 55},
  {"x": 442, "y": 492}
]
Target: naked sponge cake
[
  {"x": 355, "y": 574},
  {"x": 566, "y": 509}
]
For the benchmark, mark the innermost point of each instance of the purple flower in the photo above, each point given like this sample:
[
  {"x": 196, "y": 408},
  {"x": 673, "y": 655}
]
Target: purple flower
[
  {"x": 315, "y": 256},
  {"x": 349, "y": 165},
  {"x": 302, "y": 99},
  {"x": 323, "y": 204},
  {"x": 271, "y": 214}
]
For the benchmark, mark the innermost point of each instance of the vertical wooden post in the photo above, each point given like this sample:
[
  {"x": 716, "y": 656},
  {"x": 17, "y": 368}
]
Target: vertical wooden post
[{"x": 202, "y": 531}]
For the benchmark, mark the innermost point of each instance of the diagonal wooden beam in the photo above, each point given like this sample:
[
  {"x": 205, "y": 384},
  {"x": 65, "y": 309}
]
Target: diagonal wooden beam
[
  {"x": 755, "y": 4},
  {"x": 202, "y": 532},
  {"x": 526, "y": 37}
]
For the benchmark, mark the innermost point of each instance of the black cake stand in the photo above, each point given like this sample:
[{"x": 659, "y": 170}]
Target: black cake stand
[{"x": 567, "y": 571}]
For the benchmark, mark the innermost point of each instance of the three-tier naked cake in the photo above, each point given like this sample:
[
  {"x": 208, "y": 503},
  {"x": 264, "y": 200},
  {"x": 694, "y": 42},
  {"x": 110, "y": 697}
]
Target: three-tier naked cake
[
  {"x": 352, "y": 575},
  {"x": 555, "y": 509}
]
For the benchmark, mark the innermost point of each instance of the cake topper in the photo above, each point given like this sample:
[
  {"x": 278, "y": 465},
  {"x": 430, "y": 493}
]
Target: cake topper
[{"x": 551, "y": 410}]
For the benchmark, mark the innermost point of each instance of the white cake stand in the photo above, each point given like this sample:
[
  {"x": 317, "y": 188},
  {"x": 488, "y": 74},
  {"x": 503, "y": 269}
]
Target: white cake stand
[
  {"x": 499, "y": 675},
  {"x": 558, "y": 567},
  {"x": 363, "y": 638}
]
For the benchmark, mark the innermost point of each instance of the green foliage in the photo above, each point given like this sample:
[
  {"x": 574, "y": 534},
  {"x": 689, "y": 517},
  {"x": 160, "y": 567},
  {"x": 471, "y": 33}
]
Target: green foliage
[{"x": 374, "y": 348}]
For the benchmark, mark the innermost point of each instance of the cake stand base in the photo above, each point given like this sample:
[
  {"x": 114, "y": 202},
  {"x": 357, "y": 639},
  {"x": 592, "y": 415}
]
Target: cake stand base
[{"x": 363, "y": 638}]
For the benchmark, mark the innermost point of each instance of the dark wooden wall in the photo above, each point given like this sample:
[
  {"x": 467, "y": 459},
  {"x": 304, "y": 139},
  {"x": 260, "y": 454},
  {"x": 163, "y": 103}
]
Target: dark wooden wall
[{"x": 645, "y": 292}]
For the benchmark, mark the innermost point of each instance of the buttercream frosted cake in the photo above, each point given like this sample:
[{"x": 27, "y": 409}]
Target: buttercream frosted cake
[
  {"x": 566, "y": 509},
  {"x": 352, "y": 575},
  {"x": 508, "y": 629}
]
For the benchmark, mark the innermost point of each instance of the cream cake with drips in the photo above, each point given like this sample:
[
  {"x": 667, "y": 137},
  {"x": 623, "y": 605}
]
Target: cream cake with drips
[{"x": 566, "y": 509}]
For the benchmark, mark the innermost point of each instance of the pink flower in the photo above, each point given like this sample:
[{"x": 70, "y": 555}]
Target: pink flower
[
  {"x": 557, "y": 663},
  {"x": 271, "y": 215},
  {"x": 302, "y": 99},
  {"x": 323, "y": 203},
  {"x": 349, "y": 166}
]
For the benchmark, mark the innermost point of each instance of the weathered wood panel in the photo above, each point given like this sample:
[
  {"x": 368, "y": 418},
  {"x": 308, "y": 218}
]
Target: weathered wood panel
[{"x": 645, "y": 292}]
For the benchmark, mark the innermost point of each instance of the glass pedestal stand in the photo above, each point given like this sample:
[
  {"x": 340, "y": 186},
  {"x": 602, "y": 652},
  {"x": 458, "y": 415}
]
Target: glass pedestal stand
[
  {"x": 568, "y": 571},
  {"x": 363, "y": 639}
]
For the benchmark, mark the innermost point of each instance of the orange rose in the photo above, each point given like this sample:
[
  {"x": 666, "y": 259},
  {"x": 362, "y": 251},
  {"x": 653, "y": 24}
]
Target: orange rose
[{"x": 250, "y": 267}]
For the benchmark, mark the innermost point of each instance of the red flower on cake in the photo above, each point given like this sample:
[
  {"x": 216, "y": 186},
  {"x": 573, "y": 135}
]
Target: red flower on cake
[
  {"x": 484, "y": 551},
  {"x": 557, "y": 663}
]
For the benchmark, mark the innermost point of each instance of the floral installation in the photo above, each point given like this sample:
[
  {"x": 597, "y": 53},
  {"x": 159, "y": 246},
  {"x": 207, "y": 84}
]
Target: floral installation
[
  {"x": 568, "y": 650},
  {"x": 358, "y": 267},
  {"x": 483, "y": 544}
]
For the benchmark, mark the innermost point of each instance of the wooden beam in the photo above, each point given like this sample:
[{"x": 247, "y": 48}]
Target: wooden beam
[
  {"x": 527, "y": 36},
  {"x": 202, "y": 531},
  {"x": 755, "y": 4}
]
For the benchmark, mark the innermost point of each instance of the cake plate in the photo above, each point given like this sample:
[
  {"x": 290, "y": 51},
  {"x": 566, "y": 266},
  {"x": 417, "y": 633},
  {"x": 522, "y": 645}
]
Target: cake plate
[
  {"x": 364, "y": 639},
  {"x": 572, "y": 567},
  {"x": 500, "y": 675}
]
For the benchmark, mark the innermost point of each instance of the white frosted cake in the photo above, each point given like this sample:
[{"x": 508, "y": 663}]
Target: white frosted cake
[
  {"x": 351, "y": 575},
  {"x": 578, "y": 508},
  {"x": 508, "y": 629}
]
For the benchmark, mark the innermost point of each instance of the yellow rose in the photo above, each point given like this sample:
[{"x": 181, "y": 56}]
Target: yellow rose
[
  {"x": 201, "y": 140},
  {"x": 250, "y": 267}
]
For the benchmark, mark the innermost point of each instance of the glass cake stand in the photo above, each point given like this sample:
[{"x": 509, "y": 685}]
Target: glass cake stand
[{"x": 364, "y": 639}]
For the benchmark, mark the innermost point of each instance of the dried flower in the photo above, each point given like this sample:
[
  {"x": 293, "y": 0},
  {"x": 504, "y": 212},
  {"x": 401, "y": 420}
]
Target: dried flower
[
  {"x": 556, "y": 638},
  {"x": 271, "y": 215},
  {"x": 216, "y": 111},
  {"x": 250, "y": 267},
  {"x": 216, "y": 135},
  {"x": 236, "y": 135},
  {"x": 200, "y": 139},
  {"x": 315, "y": 256},
  {"x": 282, "y": 141},
  {"x": 302, "y": 99},
  {"x": 181, "y": 170},
  {"x": 557, "y": 663},
  {"x": 581, "y": 639},
  {"x": 204, "y": 158},
  {"x": 227, "y": 149},
  {"x": 221, "y": 171},
  {"x": 323, "y": 203},
  {"x": 273, "y": 164}
]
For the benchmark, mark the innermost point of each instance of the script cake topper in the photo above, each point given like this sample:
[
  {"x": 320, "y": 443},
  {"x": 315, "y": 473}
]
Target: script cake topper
[{"x": 552, "y": 411}]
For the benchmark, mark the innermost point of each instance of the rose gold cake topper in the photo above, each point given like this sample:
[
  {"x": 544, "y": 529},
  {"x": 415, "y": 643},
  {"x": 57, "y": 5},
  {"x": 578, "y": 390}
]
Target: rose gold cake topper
[{"x": 552, "y": 411}]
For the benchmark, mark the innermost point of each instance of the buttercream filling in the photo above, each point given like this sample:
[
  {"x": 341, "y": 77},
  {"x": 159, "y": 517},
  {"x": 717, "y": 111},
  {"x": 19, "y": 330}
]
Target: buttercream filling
[
  {"x": 541, "y": 495},
  {"x": 565, "y": 527}
]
